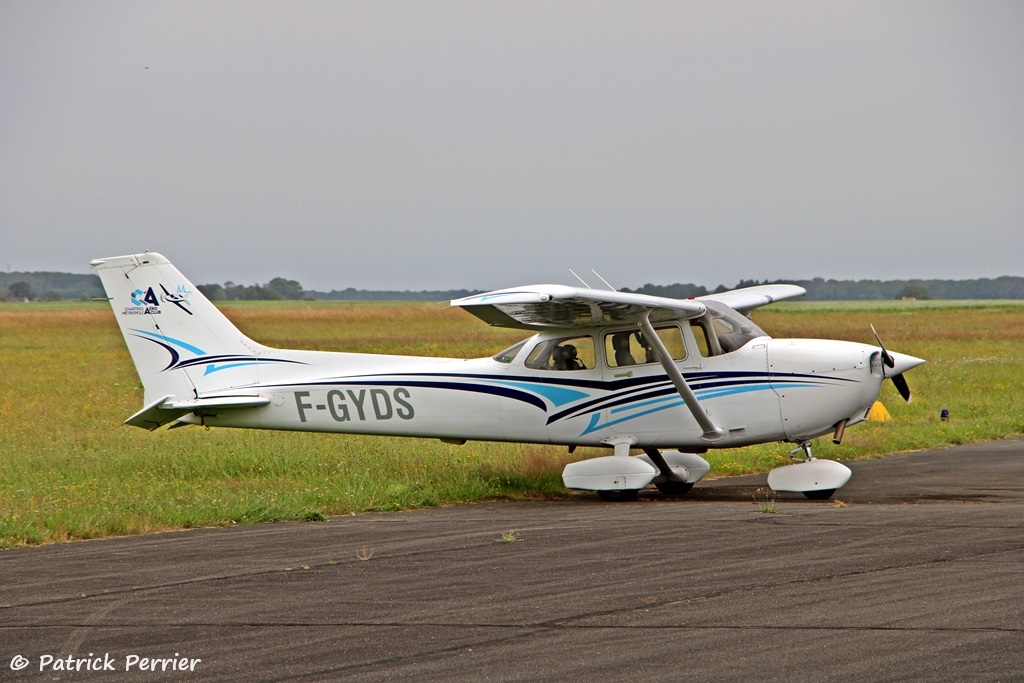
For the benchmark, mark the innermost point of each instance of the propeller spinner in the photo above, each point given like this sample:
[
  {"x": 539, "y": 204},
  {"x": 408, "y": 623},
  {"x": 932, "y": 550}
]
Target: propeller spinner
[{"x": 894, "y": 365}]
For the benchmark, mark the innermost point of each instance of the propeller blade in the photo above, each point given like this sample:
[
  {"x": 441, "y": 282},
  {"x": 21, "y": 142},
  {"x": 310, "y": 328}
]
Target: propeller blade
[
  {"x": 901, "y": 386},
  {"x": 898, "y": 380},
  {"x": 886, "y": 357}
]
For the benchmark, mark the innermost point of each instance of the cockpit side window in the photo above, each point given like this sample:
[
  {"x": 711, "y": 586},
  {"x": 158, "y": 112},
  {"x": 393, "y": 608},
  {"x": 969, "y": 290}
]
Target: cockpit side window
[
  {"x": 700, "y": 334},
  {"x": 629, "y": 347},
  {"x": 569, "y": 353}
]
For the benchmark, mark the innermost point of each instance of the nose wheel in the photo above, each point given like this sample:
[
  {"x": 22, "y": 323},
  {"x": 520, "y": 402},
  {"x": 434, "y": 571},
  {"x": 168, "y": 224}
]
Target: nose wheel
[
  {"x": 805, "y": 447},
  {"x": 816, "y": 479}
]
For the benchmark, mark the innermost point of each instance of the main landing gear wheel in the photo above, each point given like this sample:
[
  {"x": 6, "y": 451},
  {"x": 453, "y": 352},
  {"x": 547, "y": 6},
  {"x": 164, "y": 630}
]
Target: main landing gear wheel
[
  {"x": 619, "y": 495},
  {"x": 823, "y": 494},
  {"x": 674, "y": 488}
]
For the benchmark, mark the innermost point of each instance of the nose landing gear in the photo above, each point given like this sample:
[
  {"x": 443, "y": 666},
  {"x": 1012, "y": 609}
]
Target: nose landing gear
[{"x": 816, "y": 479}]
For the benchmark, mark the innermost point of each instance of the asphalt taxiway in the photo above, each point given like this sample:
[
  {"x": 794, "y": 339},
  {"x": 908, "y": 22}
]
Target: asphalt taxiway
[{"x": 917, "y": 574}]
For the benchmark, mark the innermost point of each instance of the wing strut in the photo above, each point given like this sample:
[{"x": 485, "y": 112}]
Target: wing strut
[{"x": 712, "y": 432}]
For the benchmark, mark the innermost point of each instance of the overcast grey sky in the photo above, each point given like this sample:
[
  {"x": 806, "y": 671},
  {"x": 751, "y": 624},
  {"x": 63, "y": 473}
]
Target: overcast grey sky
[{"x": 439, "y": 144}]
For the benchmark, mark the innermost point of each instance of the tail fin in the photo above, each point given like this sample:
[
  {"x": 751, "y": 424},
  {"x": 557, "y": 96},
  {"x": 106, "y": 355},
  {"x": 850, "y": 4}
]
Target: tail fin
[{"x": 178, "y": 340}]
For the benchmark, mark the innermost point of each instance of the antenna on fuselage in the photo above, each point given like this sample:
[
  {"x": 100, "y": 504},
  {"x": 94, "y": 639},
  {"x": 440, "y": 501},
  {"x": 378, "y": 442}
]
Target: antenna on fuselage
[
  {"x": 579, "y": 278},
  {"x": 606, "y": 283},
  {"x": 614, "y": 289}
]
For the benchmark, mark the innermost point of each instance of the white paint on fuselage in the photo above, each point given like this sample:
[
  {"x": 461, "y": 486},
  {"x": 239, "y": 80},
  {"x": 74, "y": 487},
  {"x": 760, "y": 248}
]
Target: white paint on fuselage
[{"x": 769, "y": 390}]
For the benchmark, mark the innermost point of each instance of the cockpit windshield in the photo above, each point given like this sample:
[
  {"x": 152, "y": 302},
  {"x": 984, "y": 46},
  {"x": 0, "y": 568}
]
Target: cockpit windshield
[{"x": 724, "y": 330}]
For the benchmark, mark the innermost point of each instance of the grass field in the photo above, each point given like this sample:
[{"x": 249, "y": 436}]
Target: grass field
[{"x": 70, "y": 470}]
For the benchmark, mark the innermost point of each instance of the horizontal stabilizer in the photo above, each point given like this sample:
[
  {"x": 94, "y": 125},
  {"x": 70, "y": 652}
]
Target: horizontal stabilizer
[{"x": 164, "y": 410}]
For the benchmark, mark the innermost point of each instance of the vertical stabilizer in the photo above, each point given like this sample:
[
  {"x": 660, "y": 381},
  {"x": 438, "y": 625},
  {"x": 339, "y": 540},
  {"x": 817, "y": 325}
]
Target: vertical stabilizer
[{"x": 182, "y": 345}]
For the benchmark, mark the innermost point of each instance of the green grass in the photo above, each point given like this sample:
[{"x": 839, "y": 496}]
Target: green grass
[{"x": 70, "y": 470}]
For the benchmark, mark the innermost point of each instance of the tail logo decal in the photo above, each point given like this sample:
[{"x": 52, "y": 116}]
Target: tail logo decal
[{"x": 146, "y": 302}]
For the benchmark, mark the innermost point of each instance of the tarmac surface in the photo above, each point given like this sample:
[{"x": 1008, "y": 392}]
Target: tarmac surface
[{"x": 917, "y": 575}]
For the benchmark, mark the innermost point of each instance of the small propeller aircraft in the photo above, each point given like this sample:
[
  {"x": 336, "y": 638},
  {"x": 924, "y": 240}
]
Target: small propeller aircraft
[{"x": 668, "y": 377}]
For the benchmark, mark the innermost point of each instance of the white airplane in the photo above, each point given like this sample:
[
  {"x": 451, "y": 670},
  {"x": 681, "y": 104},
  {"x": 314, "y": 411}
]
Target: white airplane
[{"x": 669, "y": 377}]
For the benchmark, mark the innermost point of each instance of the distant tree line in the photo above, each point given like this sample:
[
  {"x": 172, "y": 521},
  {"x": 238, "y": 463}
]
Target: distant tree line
[
  {"x": 820, "y": 289},
  {"x": 351, "y": 294},
  {"x": 54, "y": 286},
  {"x": 278, "y": 288},
  {"x": 47, "y": 286}
]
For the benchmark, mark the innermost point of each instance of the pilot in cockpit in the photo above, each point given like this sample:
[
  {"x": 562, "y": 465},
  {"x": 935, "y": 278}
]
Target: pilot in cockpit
[{"x": 564, "y": 358}]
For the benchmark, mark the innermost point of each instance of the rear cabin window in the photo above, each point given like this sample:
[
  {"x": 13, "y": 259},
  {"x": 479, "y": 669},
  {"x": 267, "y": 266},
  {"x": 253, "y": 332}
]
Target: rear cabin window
[
  {"x": 570, "y": 353},
  {"x": 509, "y": 354}
]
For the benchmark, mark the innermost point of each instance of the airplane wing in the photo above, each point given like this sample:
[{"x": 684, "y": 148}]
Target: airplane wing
[
  {"x": 561, "y": 306},
  {"x": 564, "y": 307},
  {"x": 747, "y": 299}
]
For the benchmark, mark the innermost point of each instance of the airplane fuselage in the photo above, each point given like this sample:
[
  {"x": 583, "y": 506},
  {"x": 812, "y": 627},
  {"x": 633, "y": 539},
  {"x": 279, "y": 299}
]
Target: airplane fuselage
[{"x": 768, "y": 390}]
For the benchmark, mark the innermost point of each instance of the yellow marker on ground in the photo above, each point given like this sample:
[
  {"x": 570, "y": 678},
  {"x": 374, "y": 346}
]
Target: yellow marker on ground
[{"x": 878, "y": 413}]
